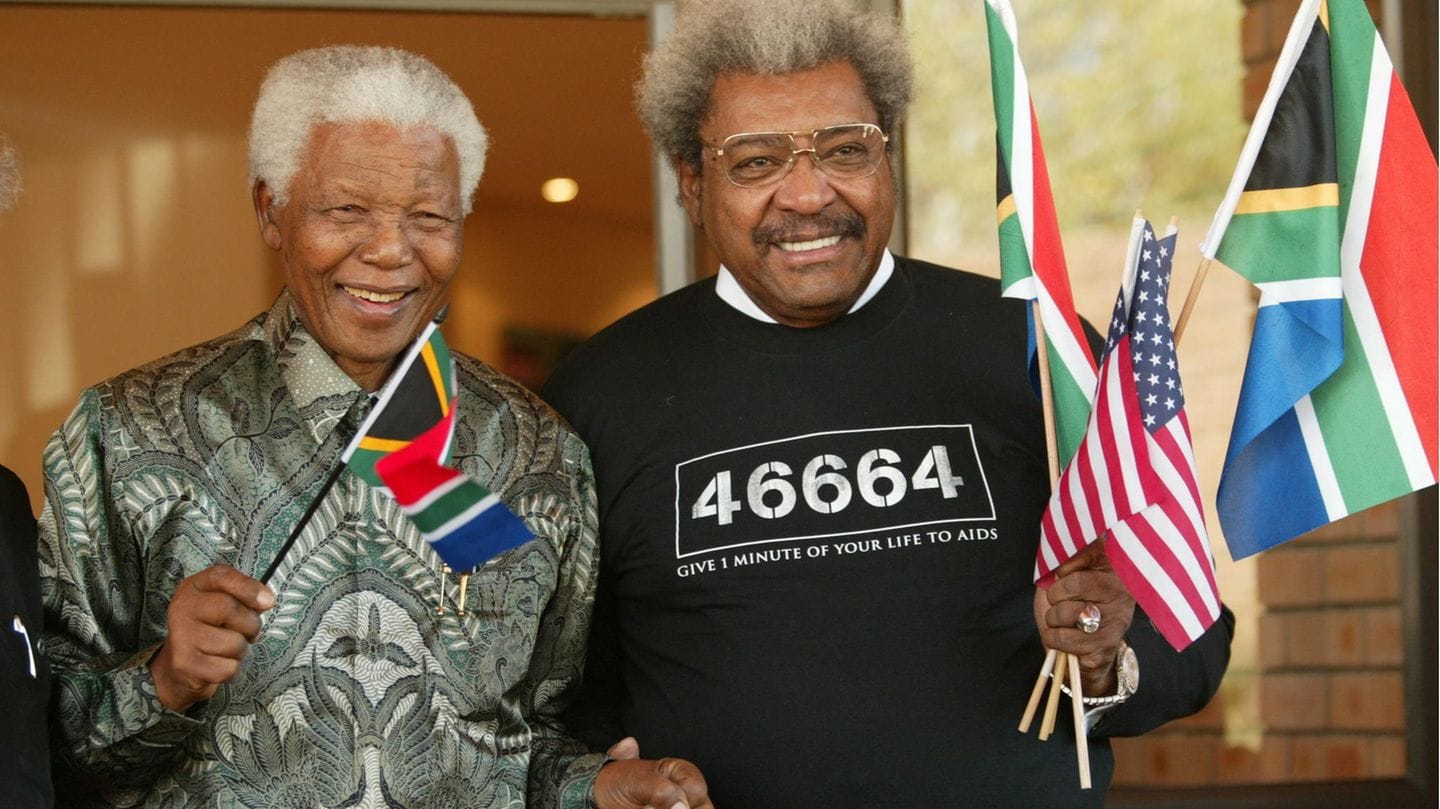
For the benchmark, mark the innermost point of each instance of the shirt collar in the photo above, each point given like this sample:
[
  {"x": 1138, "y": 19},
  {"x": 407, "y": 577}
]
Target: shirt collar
[
  {"x": 307, "y": 368},
  {"x": 732, "y": 293}
]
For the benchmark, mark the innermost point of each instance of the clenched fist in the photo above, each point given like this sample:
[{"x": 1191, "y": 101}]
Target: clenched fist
[{"x": 213, "y": 618}]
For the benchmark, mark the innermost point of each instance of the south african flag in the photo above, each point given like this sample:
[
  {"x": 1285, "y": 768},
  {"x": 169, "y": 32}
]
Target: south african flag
[{"x": 403, "y": 449}]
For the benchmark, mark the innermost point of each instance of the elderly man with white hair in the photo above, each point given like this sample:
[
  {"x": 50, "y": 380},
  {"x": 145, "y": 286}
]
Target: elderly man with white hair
[{"x": 355, "y": 679}]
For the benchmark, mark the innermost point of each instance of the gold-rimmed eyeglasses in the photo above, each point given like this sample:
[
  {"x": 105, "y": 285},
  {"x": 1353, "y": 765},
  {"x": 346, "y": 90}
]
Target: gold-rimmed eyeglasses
[{"x": 757, "y": 159}]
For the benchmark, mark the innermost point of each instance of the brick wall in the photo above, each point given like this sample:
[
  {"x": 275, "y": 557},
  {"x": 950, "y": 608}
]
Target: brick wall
[{"x": 1325, "y": 698}]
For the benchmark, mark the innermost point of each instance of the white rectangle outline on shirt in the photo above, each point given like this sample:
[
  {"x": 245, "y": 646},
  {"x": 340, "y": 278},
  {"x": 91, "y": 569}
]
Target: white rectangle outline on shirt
[{"x": 969, "y": 428}]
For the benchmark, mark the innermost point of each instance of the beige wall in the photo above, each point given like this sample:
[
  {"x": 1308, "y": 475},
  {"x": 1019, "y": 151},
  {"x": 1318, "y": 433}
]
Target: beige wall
[{"x": 134, "y": 236}]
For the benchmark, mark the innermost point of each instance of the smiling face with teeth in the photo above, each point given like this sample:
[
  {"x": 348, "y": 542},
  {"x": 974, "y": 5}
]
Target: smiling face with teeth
[
  {"x": 370, "y": 239},
  {"x": 805, "y": 248}
]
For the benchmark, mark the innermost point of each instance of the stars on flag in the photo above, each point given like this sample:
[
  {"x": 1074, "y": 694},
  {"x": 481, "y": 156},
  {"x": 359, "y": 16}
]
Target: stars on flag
[{"x": 1152, "y": 342}]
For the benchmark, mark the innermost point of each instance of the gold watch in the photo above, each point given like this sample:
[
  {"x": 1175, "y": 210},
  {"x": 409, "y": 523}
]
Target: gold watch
[{"x": 1127, "y": 678}]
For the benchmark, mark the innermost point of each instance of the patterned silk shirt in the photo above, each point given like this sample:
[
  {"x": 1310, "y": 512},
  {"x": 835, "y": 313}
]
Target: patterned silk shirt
[{"x": 360, "y": 691}]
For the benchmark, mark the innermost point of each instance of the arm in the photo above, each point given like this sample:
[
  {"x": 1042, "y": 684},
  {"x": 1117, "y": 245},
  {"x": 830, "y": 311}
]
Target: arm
[
  {"x": 594, "y": 717},
  {"x": 108, "y": 723},
  {"x": 562, "y": 774},
  {"x": 1172, "y": 684}
]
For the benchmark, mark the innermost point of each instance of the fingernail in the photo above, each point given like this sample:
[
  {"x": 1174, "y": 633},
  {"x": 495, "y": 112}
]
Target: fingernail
[
  {"x": 681, "y": 805},
  {"x": 266, "y": 598}
]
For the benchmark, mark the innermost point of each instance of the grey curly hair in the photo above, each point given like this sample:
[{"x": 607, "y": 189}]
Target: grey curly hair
[
  {"x": 350, "y": 83},
  {"x": 9, "y": 174},
  {"x": 767, "y": 37}
]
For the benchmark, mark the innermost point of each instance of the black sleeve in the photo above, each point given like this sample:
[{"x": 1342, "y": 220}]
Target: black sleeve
[
  {"x": 24, "y": 669},
  {"x": 1172, "y": 684}
]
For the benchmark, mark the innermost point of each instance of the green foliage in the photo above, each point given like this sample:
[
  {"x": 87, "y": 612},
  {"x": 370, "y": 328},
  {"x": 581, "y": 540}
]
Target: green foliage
[{"x": 1138, "y": 104}]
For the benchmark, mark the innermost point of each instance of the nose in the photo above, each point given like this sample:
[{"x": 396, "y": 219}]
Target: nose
[
  {"x": 805, "y": 189},
  {"x": 388, "y": 246}
]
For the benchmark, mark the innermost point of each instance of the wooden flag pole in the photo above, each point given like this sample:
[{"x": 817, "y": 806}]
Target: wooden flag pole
[
  {"x": 1039, "y": 689},
  {"x": 1052, "y": 456},
  {"x": 1052, "y": 704},
  {"x": 1054, "y": 662},
  {"x": 1191, "y": 296},
  {"x": 1047, "y": 403},
  {"x": 1077, "y": 712},
  {"x": 1047, "y": 394}
]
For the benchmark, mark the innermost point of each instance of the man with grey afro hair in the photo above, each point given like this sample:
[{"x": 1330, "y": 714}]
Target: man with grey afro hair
[
  {"x": 821, "y": 471},
  {"x": 9, "y": 174},
  {"x": 772, "y": 37},
  {"x": 351, "y": 83}
]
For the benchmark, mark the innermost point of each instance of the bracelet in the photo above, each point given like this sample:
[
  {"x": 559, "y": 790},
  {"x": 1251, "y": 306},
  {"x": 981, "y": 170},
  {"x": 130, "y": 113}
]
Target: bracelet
[
  {"x": 1095, "y": 701},
  {"x": 1113, "y": 699}
]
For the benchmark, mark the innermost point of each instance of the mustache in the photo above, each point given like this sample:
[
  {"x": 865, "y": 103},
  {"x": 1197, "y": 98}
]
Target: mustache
[{"x": 797, "y": 228}]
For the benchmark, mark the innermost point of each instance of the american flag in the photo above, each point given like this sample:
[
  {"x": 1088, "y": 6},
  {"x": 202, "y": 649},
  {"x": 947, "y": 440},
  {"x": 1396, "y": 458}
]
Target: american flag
[{"x": 1133, "y": 477}]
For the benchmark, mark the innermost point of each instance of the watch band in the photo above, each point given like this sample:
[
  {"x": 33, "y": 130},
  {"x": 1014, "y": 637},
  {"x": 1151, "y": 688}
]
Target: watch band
[{"x": 1127, "y": 680}]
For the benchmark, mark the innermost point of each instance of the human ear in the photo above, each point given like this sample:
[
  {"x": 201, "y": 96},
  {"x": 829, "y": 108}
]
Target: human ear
[
  {"x": 688, "y": 179},
  {"x": 265, "y": 210}
]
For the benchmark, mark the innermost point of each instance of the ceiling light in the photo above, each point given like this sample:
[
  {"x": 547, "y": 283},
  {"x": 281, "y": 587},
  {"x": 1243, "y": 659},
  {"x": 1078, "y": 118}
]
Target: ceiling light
[{"x": 559, "y": 189}]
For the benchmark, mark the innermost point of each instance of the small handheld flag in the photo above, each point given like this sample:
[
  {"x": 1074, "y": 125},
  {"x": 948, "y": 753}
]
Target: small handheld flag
[
  {"x": 1032, "y": 259},
  {"x": 1331, "y": 214},
  {"x": 1133, "y": 476},
  {"x": 403, "y": 447}
]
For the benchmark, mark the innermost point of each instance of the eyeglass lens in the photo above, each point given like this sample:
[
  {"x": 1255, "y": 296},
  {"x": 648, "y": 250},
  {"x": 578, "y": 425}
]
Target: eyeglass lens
[{"x": 850, "y": 151}]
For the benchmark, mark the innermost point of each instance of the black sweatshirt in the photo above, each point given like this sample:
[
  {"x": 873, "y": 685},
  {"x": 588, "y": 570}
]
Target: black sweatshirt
[{"x": 817, "y": 553}]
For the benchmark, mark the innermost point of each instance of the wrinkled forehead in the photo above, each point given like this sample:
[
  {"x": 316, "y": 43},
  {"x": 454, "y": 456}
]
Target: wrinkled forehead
[
  {"x": 379, "y": 151},
  {"x": 826, "y": 95}
]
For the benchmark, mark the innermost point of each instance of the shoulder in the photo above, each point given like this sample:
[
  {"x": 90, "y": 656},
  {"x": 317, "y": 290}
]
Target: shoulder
[
  {"x": 12, "y": 490},
  {"x": 926, "y": 275},
  {"x": 489, "y": 389},
  {"x": 646, "y": 327},
  {"x": 505, "y": 417},
  {"x": 960, "y": 295},
  {"x": 632, "y": 346},
  {"x": 161, "y": 377},
  {"x": 18, "y": 541}
]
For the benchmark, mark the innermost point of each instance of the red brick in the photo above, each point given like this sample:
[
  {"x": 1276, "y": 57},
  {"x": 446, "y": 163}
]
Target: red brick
[
  {"x": 1379, "y": 523},
  {"x": 1314, "y": 638},
  {"x": 1331, "y": 758},
  {"x": 1383, "y": 520},
  {"x": 1273, "y": 640},
  {"x": 1253, "y": 33},
  {"x": 1295, "y": 701},
  {"x": 1182, "y": 759},
  {"x": 1264, "y": 28},
  {"x": 1305, "y": 639},
  {"x": 1257, "y": 78},
  {"x": 1343, "y": 637},
  {"x": 1292, "y": 577},
  {"x": 1384, "y": 637},
  {"x": 1238, "y": 765},
  {"x": 1366, "y": 573},
  {"x": 1387, "y": 757},
  {"x": 1369, "y": 701},
  {"x": 1268, "y": 765},
  {"x": 1349, "y": 529}
]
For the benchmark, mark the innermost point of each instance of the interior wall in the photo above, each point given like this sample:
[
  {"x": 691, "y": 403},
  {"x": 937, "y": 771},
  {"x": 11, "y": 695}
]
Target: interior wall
[{"x": 134, "y": 236}]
